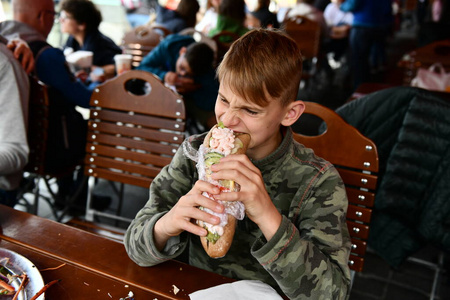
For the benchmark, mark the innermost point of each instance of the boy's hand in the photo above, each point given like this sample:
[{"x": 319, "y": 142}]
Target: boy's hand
[
  {"x": 258, "y": 205},
  {"x": 181, "y": 217}
]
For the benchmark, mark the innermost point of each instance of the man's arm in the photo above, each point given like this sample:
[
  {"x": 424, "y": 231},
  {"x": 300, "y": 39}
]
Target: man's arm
[{"x": 51, "y": 68}]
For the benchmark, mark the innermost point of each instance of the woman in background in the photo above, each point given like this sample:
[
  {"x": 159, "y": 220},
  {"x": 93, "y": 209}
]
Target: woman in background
[{"x": 81, "y": 19}]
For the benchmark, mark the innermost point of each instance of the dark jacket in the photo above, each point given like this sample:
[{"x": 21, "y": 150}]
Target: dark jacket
[{"x": 411, "y": 129}]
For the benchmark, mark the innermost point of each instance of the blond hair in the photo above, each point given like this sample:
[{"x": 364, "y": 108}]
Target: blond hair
[{"x": 263, "y": 63}]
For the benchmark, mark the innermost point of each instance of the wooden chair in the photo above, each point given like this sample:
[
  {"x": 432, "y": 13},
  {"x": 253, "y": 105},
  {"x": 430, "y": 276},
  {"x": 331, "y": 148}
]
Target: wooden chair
[
  {"x": 306, "y": 33},
  {"x": 356, "y": 159},
  {"x": 36, "y": 174},
  {"x": 131, "y": 134},
  {"x": 141, "y": 40}
]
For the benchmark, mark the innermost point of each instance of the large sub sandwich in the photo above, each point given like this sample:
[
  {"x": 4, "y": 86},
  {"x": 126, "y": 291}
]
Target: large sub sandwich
[{"x": 220, "y": 142}]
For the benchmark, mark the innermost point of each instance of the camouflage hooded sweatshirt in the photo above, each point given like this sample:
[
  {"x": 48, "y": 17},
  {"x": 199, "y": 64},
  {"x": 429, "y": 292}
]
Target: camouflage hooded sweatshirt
[{"x": 306, "y": 258}]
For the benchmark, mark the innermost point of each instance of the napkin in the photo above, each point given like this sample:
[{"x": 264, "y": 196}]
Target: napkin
[{"x": 239, "y": 290}]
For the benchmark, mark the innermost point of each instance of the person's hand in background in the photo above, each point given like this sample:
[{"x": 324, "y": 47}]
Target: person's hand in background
[{"x": 22, "y": 53}]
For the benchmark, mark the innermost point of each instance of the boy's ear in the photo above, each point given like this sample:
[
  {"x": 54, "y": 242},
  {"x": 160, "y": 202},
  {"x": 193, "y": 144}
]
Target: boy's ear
[{"x": 294, "y": 111}]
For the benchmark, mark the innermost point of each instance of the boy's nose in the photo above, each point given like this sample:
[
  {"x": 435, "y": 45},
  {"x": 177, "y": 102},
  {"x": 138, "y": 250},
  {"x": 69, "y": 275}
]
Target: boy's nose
[{"x": 229, "y": 119}]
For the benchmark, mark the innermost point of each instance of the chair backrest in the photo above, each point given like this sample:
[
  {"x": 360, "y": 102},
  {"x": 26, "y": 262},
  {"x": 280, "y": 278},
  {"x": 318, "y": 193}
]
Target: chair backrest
[
  {"x": 38, "y": 122},
  {"x": 140, "y": 41},
  {"x": 356, "y": 158},
  {"x": 130, "y": 136},
  {"x": 306, "y": 33}
]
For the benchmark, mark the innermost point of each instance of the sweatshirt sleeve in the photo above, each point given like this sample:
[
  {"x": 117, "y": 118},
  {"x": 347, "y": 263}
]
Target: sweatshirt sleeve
[
  {"x": 308, "y": 255},
  {"x": 171, "y": 183},
  {"x": 52, "y": 69}
]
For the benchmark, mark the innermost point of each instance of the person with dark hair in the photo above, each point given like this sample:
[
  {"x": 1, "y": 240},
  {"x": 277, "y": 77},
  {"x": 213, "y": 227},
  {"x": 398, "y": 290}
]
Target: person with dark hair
[
  {"x": 231, "y": 18},
  {"x": 81, "y": 19},
  {"x": 267, "y": 19},
  {"x": 185, "y": 16},
  {"x": 187, "y": 66}
]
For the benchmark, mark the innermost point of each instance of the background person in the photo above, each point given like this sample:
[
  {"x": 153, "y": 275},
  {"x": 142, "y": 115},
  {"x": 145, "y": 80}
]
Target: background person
[
  {"x": 187, "y": 66},
  {"x": 81, "y": 19}
]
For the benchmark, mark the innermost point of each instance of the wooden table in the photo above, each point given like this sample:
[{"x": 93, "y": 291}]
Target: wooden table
[{"x": 95, "y": 267}]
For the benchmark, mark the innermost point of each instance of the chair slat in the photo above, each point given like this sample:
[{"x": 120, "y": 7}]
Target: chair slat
[
  {"x": 152, "y": 147},
  {"x": 138, "y": 119},
  {"x": 356, "y": 263},
  {"x": 359, "y": 197},
  {"x": 122, "y": 177},
  {"x": 137, "y": 131},
  {"x": 359, "y": 213},
  {"x": 145, "y": 158},
  {"x": 359, "y": 179},
  {"x": 358, "y": 230},
  {"x": 359, "y": 247},
  {"x": 122, "y": 166}
]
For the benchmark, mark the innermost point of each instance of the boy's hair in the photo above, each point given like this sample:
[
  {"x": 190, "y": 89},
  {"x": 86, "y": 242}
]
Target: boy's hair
[
  {"x": 200, "y": 58},
  {"x": 263, "y": 63},
  {"x": 83, "y": 11}
]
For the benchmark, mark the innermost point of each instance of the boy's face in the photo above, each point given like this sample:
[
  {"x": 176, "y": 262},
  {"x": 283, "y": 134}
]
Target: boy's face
[{"x": 262, "y": 123}]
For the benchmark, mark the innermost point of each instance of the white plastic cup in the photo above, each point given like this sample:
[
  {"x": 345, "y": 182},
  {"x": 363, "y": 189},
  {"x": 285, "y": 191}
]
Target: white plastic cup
[{"x": 123, "y": 63}]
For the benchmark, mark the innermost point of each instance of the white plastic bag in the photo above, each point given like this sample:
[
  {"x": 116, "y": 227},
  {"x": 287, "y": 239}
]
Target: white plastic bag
[{"x": 433, "y": 78}]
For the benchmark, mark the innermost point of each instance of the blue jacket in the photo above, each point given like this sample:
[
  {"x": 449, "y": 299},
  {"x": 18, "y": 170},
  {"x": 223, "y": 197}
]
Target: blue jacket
[
  {"x": 163, "y": 59},
  {"x": 369, "y": 13}
]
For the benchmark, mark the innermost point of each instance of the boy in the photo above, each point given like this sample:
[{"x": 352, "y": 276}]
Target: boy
[{"x": 294, "y": 235}]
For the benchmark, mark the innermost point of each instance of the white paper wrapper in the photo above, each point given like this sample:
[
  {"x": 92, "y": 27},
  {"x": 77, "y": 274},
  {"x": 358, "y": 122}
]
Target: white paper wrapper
[
  {"x": 239, "y": 290},
  {"x": 235, "y": 208}
]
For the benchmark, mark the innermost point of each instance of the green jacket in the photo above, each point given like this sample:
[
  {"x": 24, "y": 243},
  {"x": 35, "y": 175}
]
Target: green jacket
[
  {"x": 227, "y": 24},
  {"x": 307, "y": 257}
]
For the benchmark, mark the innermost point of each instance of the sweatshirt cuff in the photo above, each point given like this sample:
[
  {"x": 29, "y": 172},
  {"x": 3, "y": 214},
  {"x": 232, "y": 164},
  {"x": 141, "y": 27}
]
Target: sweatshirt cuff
[
  {"x": 268, "y": 251},
  {"x": 174, "y": 246}
]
